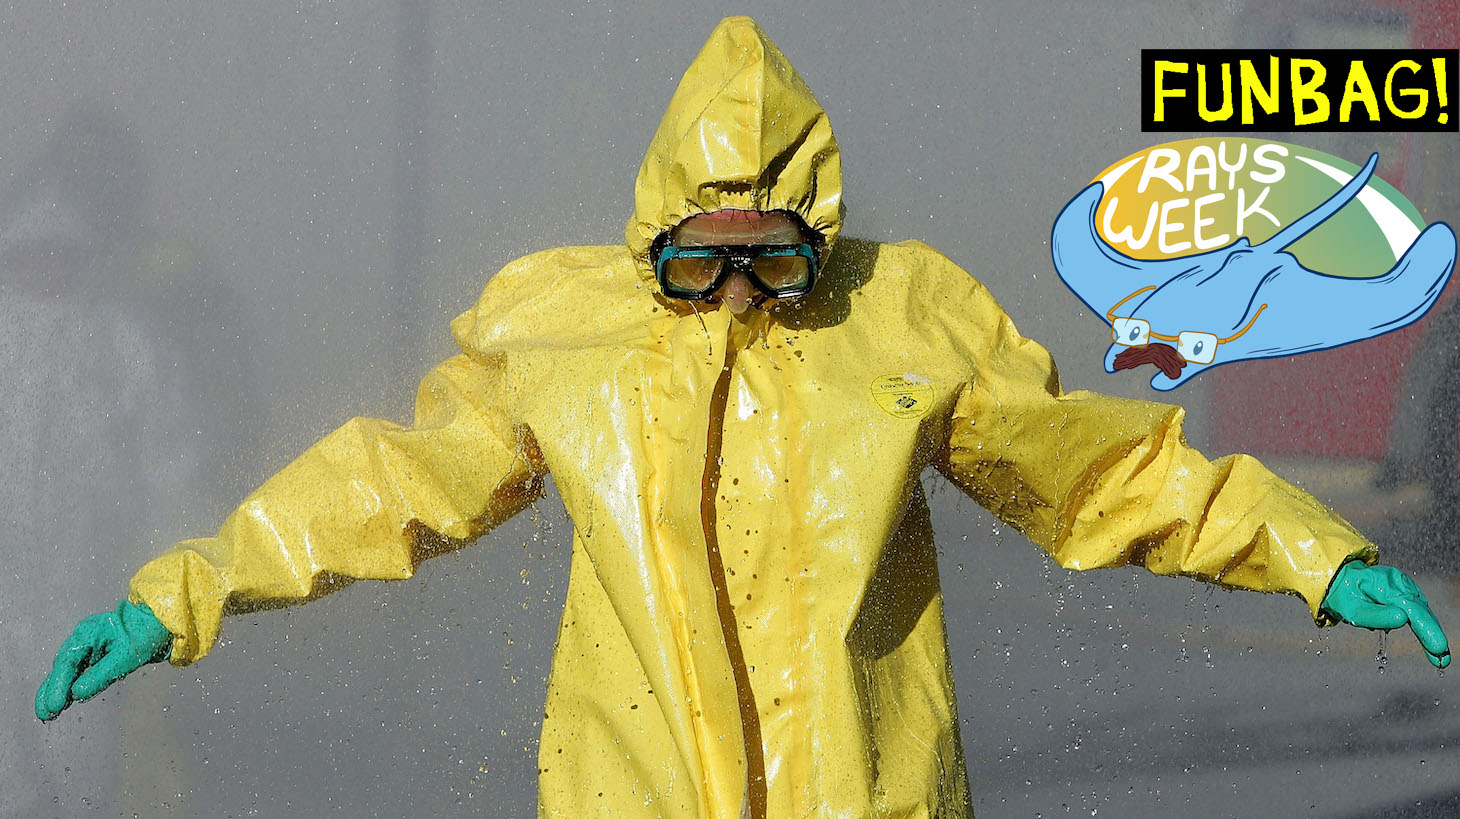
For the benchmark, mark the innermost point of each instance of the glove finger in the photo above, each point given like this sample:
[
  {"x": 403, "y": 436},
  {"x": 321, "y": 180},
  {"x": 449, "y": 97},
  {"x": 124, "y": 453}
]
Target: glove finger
[
  {"x": 114, "y": 665},
  {"x": 1366, "y": 614},
  {"x": 54, "y": 694},
  {"x": 1397, "y": 589},
  {"x": 1428, "y": 630},
  {"x": 75, "y": 655}
]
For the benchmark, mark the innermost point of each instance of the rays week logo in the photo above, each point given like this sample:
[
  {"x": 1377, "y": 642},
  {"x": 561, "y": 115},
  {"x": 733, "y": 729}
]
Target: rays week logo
[{"x": 1209, "y": 251}]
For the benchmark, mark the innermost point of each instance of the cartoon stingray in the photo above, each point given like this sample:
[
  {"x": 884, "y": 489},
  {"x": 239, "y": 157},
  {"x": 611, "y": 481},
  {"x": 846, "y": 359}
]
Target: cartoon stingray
[{"x": 1240, "y": 301}]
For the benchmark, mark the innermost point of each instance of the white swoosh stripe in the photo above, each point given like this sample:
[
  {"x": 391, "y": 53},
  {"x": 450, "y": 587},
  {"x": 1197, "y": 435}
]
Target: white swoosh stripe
[{"x": 1398, "y": 229}]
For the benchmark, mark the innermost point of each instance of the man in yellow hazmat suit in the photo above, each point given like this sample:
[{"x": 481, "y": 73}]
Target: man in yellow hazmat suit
[{"x": 753, "y": 622}]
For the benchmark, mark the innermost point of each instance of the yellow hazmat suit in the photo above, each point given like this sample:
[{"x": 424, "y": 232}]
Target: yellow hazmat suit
[{"x": 754, "y": 624}]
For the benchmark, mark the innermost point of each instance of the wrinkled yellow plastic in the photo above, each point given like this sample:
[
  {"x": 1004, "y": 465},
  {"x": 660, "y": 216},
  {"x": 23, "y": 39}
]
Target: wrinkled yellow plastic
[{"x": 754, "y": 624}]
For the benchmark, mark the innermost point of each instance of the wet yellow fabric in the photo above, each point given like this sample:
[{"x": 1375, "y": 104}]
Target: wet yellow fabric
[{"x": 753, "y": 622}]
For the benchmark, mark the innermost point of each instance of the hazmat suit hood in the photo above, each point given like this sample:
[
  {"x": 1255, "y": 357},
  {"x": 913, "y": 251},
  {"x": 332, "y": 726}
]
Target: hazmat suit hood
[{"x": 742, "y": 131}]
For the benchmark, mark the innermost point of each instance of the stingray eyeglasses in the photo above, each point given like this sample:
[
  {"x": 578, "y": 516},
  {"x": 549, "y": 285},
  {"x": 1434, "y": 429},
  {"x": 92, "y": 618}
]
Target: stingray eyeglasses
[{"x": 1193, "y": 346}]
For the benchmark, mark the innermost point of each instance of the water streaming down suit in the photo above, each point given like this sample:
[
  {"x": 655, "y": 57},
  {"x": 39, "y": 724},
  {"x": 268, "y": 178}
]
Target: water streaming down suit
[{"x": 753, "y": 623}]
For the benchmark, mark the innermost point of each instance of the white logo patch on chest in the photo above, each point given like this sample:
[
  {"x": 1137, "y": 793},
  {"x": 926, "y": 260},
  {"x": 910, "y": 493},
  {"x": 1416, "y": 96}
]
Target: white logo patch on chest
[{"x": 903, "y": 394}]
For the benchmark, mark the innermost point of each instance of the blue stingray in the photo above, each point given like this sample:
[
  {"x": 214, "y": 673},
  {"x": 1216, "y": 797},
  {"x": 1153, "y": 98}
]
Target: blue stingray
[{"x": 1221, "y": 291}]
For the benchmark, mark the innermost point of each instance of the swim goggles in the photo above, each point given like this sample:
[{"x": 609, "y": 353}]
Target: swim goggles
[
  {"x": 1193, "y": 347},
  {"x": 696, "y": 272}
]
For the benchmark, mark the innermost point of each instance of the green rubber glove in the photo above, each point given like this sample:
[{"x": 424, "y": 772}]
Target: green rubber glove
[
  {"x": 103, "y": 649},
  {"x": 1384, "y": 597}
]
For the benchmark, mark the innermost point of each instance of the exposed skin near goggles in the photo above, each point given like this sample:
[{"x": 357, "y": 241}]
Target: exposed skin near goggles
[{"x": 738, "y": 227}]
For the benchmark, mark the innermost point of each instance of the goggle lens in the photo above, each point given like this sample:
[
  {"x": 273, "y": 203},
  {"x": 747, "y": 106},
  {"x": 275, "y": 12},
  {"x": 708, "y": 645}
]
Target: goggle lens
[
  {"x": 783, "y": 272},
  {"x": 693, "y": 275}
]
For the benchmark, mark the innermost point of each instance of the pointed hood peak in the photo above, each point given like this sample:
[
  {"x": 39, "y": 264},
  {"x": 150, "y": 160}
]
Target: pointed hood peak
[{"x": 742, "y": 131}]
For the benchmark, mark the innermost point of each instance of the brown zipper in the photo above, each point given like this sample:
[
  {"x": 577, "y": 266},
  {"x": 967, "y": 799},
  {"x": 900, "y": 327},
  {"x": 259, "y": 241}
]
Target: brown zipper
[{"x": 755, "y": 798}]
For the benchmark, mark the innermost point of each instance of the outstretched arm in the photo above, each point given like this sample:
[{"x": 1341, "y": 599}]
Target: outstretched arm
[
  {"x": 369, "y": 501},
  {"x": 1099, "y": 481}
]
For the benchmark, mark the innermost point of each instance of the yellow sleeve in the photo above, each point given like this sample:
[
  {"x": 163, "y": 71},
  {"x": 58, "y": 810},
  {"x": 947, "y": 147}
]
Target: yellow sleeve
[
  {"x": 1098, "y": 481},
  {"x": 369, "y": 501}
]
